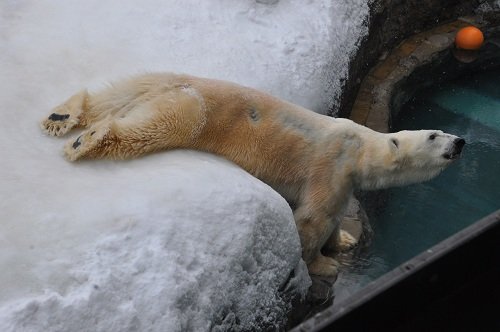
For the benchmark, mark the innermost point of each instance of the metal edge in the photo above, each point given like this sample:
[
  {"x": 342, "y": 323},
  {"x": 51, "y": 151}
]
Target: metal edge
[{"x": 400, "y": 273}]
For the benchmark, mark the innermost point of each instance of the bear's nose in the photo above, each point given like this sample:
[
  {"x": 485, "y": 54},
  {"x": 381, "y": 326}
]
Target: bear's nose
[{"x": 459, "y": 144}]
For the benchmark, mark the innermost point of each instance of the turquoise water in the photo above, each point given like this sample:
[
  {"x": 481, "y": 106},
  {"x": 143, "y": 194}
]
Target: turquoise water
[{"x": 416, "y": 217}]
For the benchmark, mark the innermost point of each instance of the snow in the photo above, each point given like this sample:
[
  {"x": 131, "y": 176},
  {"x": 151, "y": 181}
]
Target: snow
[
  {"x": 488, "y": 6},
  {"x": 175, "y": 241},
  {"x": 151, "y": 253}
]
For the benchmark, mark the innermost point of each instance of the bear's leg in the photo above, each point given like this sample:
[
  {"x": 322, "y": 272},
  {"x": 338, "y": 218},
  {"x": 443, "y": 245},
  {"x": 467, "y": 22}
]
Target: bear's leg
[
  {"x": 314, "y": 229},
  {"x": 111, "y": 138},
  {"x": 172, "y": 120},
  {"x": 66, "y": 116}
]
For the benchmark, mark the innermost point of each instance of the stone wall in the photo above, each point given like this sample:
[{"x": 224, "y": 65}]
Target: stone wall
[
  {"x": 391, "y": 21},
  {"x": 445, "y": 67}
]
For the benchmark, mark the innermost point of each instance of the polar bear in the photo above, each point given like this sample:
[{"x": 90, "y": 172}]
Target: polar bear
[{"x": 314, "y": 161}]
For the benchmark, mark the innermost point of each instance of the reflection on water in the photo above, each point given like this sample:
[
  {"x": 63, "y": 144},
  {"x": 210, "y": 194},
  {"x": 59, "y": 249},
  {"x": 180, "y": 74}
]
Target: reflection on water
[{"x": 417, "y": 217}]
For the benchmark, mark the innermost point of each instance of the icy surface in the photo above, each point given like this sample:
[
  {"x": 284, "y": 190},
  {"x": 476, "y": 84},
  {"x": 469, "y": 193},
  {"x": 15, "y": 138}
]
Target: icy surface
[{"x": 177, "y": 240}]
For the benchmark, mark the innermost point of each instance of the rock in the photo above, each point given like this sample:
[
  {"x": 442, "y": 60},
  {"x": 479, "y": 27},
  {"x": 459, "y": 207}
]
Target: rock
[
  {"x": 390, "y": 22},
  {"x": 180, "y": 241}
]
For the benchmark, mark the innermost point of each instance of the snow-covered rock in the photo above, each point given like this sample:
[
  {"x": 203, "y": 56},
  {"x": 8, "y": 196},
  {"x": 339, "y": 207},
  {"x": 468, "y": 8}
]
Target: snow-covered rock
[
  {"x": 295, "y": 49},
  {"x": 174, "y": 242}
]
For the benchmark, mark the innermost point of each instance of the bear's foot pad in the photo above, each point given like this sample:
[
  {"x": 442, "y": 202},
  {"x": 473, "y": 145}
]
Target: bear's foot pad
[
  {"x": 58, "y": 123},
  {"x": 87, "y": 144}
]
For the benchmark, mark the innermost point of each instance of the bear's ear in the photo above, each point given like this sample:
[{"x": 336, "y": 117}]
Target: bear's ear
[{"x": 394, "y": 143}]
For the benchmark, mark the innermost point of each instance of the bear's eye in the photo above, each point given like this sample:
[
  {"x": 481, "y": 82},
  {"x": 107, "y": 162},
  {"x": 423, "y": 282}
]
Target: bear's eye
[
  {"x": 432, "y": 137},
  {"x": 395, "y": 142}
]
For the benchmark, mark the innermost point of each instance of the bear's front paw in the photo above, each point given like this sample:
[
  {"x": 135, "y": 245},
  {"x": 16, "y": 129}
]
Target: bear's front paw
[
  {"x": 346, "y": 241},
  {"x": 323, "y": 266}
]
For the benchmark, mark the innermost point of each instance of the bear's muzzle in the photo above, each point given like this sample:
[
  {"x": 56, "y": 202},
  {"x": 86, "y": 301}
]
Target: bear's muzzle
[{"x": 456, "y": 149}]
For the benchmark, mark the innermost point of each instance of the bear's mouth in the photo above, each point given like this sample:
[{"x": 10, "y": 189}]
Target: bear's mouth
[
  {"x": 456, "y": 149},
  {"x": 451, "y": 156}
]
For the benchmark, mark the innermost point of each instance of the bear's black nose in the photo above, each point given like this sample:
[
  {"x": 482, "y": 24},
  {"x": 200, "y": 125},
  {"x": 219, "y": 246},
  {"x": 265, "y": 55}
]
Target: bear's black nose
[{"x": 459, "y": 144}]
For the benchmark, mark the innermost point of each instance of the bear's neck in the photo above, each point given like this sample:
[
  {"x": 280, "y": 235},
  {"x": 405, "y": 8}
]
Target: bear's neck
[{"x": 376, "y": 177}]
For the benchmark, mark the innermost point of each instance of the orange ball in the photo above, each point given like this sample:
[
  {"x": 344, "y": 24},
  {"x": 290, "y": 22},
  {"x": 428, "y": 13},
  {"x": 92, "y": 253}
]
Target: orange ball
[{"x": 469, "y": 38}]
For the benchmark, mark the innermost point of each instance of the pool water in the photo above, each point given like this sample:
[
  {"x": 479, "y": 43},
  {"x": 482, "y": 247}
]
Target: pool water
[{"x": 416, "y": 217}]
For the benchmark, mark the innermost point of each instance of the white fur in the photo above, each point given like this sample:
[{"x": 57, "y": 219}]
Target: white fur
[
  {"x": 412, "y": 157},
  {"x": 312, "y": 160}
]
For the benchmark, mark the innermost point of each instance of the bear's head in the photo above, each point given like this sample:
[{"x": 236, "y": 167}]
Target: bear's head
[{"x": 407, "y": 157}]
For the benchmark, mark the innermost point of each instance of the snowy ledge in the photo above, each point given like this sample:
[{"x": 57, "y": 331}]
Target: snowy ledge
[
  {"x": 86, "y": 245},
  {"x": 176, "y": 241}
]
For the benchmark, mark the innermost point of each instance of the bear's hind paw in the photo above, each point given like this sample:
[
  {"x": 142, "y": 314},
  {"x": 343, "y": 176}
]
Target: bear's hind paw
[
  {"x": 323, "y": 266},
  {"x": 58, "y": 124},
  {"x": 88, "y": 144}
]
